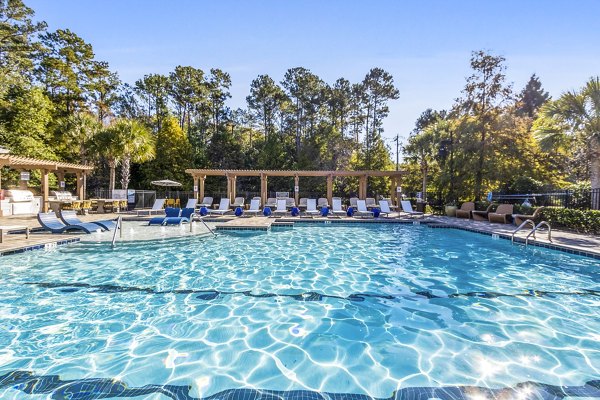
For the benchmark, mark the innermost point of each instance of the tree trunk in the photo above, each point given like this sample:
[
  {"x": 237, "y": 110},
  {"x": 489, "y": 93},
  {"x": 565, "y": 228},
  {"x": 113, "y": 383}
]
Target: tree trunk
[
  {"x": 111, "y": 180},
  {"x": 595, "y": 171},
  {"x": 479, "y": 172},
  {"x": 125, "y": 172}
]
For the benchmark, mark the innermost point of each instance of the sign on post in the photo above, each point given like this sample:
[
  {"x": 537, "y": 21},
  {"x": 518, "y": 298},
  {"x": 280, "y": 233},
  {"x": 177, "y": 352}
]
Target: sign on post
[{"x": 25, "y": 175}]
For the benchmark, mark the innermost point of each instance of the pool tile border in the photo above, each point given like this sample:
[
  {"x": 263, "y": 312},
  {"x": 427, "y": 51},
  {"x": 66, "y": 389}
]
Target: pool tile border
[
  {"x": 559, "y": 247},
  {"x": 40, "y": 246}
]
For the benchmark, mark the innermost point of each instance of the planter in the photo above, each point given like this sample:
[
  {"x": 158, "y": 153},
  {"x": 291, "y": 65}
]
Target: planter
[{"x": 451, "y": 211}]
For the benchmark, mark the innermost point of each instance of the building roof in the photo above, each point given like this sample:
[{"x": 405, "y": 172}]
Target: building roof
[{"x": 20, "y": 162}]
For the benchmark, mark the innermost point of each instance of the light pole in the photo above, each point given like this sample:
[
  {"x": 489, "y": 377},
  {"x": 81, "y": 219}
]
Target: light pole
[{"x": 397, "y": 140}]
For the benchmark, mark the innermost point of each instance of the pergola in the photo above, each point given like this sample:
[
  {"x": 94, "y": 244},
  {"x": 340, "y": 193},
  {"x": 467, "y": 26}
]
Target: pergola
[
  {"x": 46, "y": 167},
  {"x": 199, "y": 175}
]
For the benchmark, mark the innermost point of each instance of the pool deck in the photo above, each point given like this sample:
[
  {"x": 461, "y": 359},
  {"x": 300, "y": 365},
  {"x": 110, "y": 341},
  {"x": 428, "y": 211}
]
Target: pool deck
[{"x": 571, "y": 242}]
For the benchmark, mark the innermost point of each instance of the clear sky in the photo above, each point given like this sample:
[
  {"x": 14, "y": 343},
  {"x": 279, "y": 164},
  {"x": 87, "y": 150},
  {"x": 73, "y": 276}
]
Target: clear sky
[{"x": 425, "y": 45}]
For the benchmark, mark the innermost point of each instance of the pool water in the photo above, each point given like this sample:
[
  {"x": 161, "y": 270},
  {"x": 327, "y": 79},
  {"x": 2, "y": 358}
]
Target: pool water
[{"x": 363, "y": 309}]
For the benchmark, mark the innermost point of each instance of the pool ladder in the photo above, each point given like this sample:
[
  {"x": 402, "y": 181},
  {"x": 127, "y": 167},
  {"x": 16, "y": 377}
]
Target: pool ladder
[
  {"x": 534, "y": 228},
  {"x": 118, "y": 227},
  {"x": 205, "y": 224}
]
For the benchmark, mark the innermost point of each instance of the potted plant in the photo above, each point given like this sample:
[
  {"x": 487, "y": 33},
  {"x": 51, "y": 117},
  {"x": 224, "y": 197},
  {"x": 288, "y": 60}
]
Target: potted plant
[{"x": 451, "y": 209}]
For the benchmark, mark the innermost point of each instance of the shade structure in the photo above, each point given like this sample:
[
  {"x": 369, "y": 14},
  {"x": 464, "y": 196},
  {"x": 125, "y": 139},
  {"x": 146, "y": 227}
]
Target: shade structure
[{"x": 166, "y": 182}]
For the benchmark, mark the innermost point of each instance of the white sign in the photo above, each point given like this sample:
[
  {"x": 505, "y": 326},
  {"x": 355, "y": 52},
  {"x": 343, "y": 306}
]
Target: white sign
[
  {"x": 398, "y": 189},
  {"x": 25, "y": 176},
  {"x": 62, "y": 184},
  {"x": 296, "y": 189},
  {"x": 119, "y": 194},
  {"x": 195, "y": 188}
]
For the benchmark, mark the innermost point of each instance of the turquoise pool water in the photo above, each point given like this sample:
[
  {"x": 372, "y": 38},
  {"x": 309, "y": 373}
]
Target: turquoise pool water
[{"x": 366, "y": 310}]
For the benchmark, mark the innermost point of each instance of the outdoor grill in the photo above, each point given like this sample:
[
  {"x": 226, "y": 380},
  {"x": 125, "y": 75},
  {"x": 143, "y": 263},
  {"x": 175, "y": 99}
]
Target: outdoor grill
[
  {"x": 21, "y": 201},
  {"x": 63, "y": 196}
]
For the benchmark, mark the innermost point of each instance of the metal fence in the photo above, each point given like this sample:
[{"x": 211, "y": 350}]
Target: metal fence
[{"x": 581, "y": 199}]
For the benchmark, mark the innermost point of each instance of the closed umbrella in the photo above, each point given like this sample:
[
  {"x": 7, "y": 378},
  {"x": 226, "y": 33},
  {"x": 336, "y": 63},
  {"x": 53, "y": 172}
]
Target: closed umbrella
[{"x": 166, "y": 182}]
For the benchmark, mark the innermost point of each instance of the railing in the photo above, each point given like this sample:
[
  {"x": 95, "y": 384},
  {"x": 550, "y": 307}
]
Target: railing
[
  {"x": 527, "y": 221},
  {"x": 119, "y": 228},
  {"x": 536, "y": 228}
]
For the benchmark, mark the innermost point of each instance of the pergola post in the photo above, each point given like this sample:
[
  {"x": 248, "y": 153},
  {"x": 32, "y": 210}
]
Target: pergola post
[
  {"x": 201, "y": 192},
  {"x": 263, "y": 189},
  {"x": 296, "y": 188},
  {"x": 80, "y": 185},
  {"x": 233, "y": 188},
  {"x": 329, "y": 189},
  {"x": 393, "y": 190},
  {"x": 228, "y": 187},
  {"x": 195, "y": 187},
  {"x": 362, "y": 187},
  {"x": 45, "y": 190},
  {"x": 60, "y": 175}
]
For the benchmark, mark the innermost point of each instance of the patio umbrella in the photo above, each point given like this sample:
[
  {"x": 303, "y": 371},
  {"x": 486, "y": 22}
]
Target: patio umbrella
[{"x": 166, "y": 182}]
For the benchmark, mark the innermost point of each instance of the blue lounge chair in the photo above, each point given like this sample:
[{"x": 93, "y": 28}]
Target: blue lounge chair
[
  {"x": 51, "y": 223},
  {"x": 70, "y": 218},
  {"x": 186, "y": 215},
  {"x": 170, "y": 212}
]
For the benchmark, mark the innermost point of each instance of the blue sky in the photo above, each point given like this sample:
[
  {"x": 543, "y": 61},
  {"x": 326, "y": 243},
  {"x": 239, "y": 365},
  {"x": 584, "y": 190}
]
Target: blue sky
[{"x": 425, "y": 45}]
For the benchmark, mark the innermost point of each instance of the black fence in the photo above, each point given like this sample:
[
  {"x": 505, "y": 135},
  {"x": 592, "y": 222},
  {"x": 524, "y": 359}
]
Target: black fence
[{"x": 581, "y": 199}]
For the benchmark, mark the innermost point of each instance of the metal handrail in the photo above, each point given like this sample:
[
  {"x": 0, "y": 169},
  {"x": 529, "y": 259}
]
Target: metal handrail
[
  {"x": 119, "y": 228},
  {"x": 527, "y": 221},
  {"x": 205, "y": 224},
  {"x": 536, "y": 228}
]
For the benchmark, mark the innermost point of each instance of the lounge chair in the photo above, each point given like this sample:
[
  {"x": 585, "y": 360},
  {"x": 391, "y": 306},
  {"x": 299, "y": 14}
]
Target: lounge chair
[
  {"x": 70, "y": 218},
  {"x": 170, "y": 212},
  {"x": 238, "y": 202},
  {"x": 311, "y": 208},
  {"x": 520, "y": 218},
  {"x": 184, "y": 217},
  {"x": 271, "y": 202},
  {"x": 481, "y": 215},
  {"x": 362, "y": 211},
  {"x": 384, "y": 208},
  {"x": 370, "y": 202},
  {"x": 390, "y": 203},
  {"x": 157, "y": 207},
  {"x": 337, "y": 209},
  {"x": 51, "y": 223},
  {"x": 281, "y": 207},
  {"x": 254, "y": 207},
  {"x": 223, "y": 208},
  {"x": 191, "y": 203},
  {"x": 465, "y": 210},
  {"x": 290, "y": 202},
  {"x": 207, "y": 202},
  {"x": 353, "y": 201},
  {"x": 302, "y": 202},
  {"x": 502, "y": 214},
  {"x": 322, "y": 202},
  {"x": 407, "y": 209}
]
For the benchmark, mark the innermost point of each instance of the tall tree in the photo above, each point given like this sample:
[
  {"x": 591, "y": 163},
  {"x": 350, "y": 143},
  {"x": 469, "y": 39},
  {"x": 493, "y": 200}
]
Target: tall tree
[
  {"x": 265, "y": 101},
  {"x": 532, "y": 97},
  {"x": 486, "y": 90},
  {"x": 137, "y": 145},
  {"x": 154, "y": 90}
]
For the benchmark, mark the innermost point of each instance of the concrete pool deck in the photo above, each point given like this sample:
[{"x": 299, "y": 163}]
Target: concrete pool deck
[{"x": 136, "y": 229}]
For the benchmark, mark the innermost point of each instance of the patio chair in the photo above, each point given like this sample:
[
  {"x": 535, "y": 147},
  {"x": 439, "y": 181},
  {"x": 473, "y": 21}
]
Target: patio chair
[
  {"x": 311, "y": 208},
  {"x": 337, "y": 209},
  {"x": 254, "y": 207},
  {"x": 384, "y": 208},
  {"x": 69, "y": 217},
  {"x": 170, "y": 212},
  {"x": 170, "y": 203},
  {"x": 223, "y": 208},
  {"x": 322, "y": 202},
  {"x": 502, "y": 214},
  {"x": 370, "y": 202},
  {"x": 51, "y": 223},
  {"x": 290, "y": 202},
  {"x": 238, "y": 202},
  {"x": 362, "y": 210},
  {"x": 191, "y": 203},
  {"x": 302, "y": 202},
  {"x": 465, "y": 210},
  {"x": 207, "y": 202},
  {"x": 271, "y": 202},
  {"x": 185, "y": 217},
  {"x": 281, "y": 207},
  {"x": 481, "y": 215},
  {"x": 157, "y": 207},
  {"x": 407, "y": 209},
  {"x": 520, "y": 218},
  {"x": 353, "y": 201}
]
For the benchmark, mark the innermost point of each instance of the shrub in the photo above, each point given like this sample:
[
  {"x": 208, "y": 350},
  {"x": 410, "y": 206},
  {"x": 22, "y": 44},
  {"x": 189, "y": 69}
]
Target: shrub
[{"x": 584, "y": 221}]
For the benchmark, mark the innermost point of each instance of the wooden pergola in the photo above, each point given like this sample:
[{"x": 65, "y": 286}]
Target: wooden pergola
[
  {"x": 46, "y": 167},
  {"x": 199, "y": 176}
]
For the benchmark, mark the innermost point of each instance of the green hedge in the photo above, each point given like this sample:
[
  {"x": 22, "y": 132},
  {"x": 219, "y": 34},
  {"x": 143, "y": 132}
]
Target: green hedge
[{"x": 585, "y": 221}]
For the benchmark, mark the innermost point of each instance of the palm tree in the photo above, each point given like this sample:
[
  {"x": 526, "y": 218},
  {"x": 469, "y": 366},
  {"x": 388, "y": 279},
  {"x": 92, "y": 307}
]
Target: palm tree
[
  {"x": 137, "y": 145},
  {"x": 107, "y": 144},
  {"x": 577, "y": 114}
]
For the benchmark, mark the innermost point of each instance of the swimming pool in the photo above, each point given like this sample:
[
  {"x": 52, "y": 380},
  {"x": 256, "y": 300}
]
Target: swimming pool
[{"x": 362, "y": 309}]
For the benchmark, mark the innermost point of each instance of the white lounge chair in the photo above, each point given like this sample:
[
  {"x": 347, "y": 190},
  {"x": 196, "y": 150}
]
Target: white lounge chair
[
  {"x": 337, "y": 209},
  {"x": 311, "y": 208},
  {"x": 281, "y": 207},
  {"x": 353, "y": 201},
  {"x": 191, "y": 203},
  {"x": 370, "y": 202},
  {"x": 223, "y": 208},
  {"x": 206, "y": 202},
  {"x": 407, "y": 208},
  {"x": 302, "y": 202},
  {"x": 362, "y": 211},
  {"x": 322, "y": 202},
  {"x": 271, "y": 202},
  {"x": 157, "y": 208},
  {"x": 254, "y": 207},
  {"x": 238, "y": 202},
  {"x": 384, "y": 208},
  {"x": 290, "y": 202}
]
